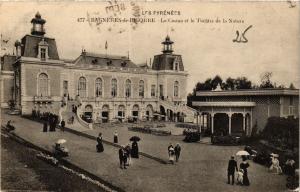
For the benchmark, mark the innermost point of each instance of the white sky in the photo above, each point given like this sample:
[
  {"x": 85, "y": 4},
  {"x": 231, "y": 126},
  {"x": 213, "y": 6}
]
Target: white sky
[{"x": 207, "y": 49}]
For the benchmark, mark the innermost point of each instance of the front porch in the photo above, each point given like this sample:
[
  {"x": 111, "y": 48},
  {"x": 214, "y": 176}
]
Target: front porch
[{"x": 225, "y": 118}]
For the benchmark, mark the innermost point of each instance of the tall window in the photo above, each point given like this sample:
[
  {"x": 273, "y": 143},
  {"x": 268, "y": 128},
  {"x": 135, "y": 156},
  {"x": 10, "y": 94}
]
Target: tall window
[
  {"x": 82, "y": 87},
  {"x": 141, "y": 88},
  {"x": 43, "y": 54},
  {"x": 152, "y": 90},
  {"x": 291, "y": 100},
  {"x": 176, "y": 66},
  {"x": 176, "y": 87},
  {"x": 43, "y": 84},
  {"x": 128, "y": 88},
  {"x": 114, "y": 88},
  {"x": 98, "y": 87},
  {"x": 65, "y": 88}
]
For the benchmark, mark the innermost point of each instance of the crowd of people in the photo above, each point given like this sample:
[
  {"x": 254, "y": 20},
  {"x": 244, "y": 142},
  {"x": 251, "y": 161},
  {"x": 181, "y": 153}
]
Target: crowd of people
[
  {"x": 51, "y": 120},
  {"x": 126, "y": 152}
]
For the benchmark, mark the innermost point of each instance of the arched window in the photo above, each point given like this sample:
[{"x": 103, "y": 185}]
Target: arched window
[
  {"x": 82, "y": 87},
  {"x": 128, "y": 88},
  {"x": 114, "y": 88},
  {"x": 141, "y": 88},
  {"x": 43, "y": 85},
  {"x": 176, "y": 88},
  {"x": 98, "y": 87}
]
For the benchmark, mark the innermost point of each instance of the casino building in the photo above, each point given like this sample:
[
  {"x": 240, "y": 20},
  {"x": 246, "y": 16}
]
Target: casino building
[{"x": 108, "y": 87}]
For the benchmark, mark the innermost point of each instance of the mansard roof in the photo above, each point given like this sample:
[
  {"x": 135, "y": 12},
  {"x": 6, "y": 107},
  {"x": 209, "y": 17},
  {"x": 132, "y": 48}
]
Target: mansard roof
[
  {"x": 30, "y": 45},
  {"x": 93, "y": 59},
  {"x": 167, "y": 62}
]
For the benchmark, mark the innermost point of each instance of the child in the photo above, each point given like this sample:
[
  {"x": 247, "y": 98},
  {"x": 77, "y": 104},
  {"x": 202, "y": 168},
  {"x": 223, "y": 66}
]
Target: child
[{"x": 240, "y": 175}]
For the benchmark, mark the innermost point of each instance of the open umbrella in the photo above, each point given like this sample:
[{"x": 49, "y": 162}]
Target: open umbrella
[
  {"x": 242, "y": 153},
  {"x": 61, "y": 141},
  {"x": 135, "y": 138},
  {"x": 274, "y": 155}
]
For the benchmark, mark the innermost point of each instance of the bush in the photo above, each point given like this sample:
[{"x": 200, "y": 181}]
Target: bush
[
  {"x": 282, "y": 132},
  {"x": 191, "y": 137},
  {"x": 149, "y": 130}
]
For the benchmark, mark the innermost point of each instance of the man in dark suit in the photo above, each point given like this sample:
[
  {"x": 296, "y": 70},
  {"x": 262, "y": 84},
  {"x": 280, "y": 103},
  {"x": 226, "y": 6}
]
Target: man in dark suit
[
  {"x": 63, "y": 124},
  {"x": 232, "y": 166},
  {"x": 122, "y": 158}
]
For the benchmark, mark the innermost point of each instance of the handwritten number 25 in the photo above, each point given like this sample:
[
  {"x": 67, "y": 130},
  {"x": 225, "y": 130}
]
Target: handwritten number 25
[{"x": 241, "y": 38}]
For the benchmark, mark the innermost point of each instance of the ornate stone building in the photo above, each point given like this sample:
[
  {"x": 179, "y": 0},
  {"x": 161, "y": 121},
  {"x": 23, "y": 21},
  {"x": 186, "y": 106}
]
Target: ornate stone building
[{"x": 107, "y": 86}]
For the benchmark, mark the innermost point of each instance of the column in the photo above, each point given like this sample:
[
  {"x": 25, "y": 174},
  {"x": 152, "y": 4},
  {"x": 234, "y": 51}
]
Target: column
[
  {"x": 250, "y": 128},
  {"x": 167, "y": 115},
  {"x": 244, "y": 122},
  {"x": 229, "y": 123},
  {"x": 212, "y": 123},
  {"x": 199, "y": 122}
]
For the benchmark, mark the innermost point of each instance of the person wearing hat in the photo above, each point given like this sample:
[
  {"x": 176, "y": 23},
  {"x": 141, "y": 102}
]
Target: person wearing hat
[
  {"x": 171, "y": 154},
  {"x": 244, "y": 166},
  {"x": 177, "y": 151},
  {"x": 275, "y": 163},
  {"x": 122, "y": 157},
  {"x": 99, "y": 145},
  {"x": 232, "y": 167},
  {"x": 62, "y": 125},
  {"x": 116, "y": 136},
  {"x": 128, "y": 153}
]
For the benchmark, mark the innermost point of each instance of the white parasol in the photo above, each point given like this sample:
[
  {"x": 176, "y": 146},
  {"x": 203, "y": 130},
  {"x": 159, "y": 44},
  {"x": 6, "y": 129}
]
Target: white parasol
[
  {"x": 242, "y": 153},
  {"x": 61, "y": 141},
  {"x": 274, "y": 155}
]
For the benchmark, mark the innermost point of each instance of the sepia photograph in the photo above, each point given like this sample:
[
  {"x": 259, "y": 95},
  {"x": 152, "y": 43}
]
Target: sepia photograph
[{"x": 149, "y": 96}]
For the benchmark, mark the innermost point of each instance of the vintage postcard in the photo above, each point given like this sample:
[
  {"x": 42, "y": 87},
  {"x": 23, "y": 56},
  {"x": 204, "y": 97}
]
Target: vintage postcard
[{"x": 150, "y": 96}]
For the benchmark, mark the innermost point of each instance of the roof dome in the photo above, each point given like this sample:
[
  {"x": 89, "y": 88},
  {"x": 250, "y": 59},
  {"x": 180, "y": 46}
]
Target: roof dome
[
  {"x": 167, "y": 40},
  {"x": 38, "y": 19},
  {"x": 38, "y": 15}
]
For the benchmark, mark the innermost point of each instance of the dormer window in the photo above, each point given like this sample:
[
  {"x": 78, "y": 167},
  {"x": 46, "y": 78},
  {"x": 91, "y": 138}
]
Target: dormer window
[
  {"x": 43, "y": 54},
  {"x": 109, "y": 62},
  {"x": 43, "y": 50},
  {"x": 176, "y": 66},
  {"x": 123, "y": 64}
]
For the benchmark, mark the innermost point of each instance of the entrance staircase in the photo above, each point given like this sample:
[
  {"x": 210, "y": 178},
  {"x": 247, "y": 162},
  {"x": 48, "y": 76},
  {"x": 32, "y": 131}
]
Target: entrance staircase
[
  {"x": 78, "y": 124},
  {"x": 187, "y": 111}
]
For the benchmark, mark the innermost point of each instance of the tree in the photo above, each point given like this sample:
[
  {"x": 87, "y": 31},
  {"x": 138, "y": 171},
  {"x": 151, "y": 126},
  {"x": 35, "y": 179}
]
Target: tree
[
  {"x": 243, "y": 83},
  {"x": 208, "y": 84},
  {"x": 230, "y": 83},
  {"x": 217, "y": 80},
  {"x": 266, "y": 80}
]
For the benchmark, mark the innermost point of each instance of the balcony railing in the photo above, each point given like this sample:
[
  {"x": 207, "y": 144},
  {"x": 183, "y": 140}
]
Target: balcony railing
[{"x": 43, "y": 99}]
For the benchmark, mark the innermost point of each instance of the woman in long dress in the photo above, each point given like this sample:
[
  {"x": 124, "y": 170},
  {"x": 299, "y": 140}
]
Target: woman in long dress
[
  {"x": 135, "y": 150},
  {"x": 171, "y": 154},
  {"x": 244, "y": 165},
  {"x": 116, "y": 137},
  {"x": 99, "y": 146}
]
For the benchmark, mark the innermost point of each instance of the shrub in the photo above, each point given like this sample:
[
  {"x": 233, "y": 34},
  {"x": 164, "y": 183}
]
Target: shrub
[{"x": 282, "y": 132}]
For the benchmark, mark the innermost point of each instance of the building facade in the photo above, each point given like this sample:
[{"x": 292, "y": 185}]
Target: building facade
[
  {"x": 242, "y": 111},
  {"x": 107, "y": 86}
]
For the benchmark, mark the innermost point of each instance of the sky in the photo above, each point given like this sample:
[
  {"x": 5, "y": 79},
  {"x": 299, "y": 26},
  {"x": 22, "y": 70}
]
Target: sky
[{"x": 207, "y": 48}]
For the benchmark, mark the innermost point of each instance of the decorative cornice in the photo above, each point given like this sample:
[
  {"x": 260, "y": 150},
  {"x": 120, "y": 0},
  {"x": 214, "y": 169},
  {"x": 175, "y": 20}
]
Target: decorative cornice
[
  {"x": 251, "y": 92},
  {"x": 223, "y": 104}
]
